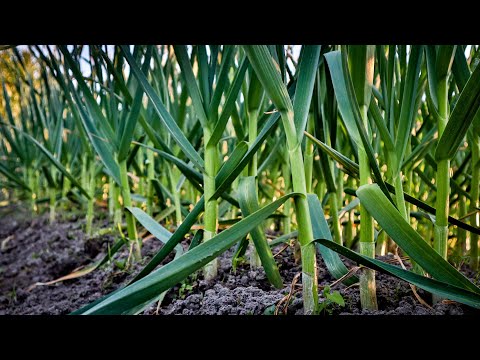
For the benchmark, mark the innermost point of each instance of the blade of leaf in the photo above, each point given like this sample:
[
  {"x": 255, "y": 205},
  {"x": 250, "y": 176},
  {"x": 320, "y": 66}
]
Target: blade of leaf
[
  {"x": 222, "y": 80},
  {"x": 55, "y": 162},
  {"x": 408, "y": 239},
  {"x": 177, "y": 270},
  {"x": 460, "y": 68},
  {"x": 305, "y": 83},
  {"x": 229, "y": 104},
  {"x": 132, "y": 118},
  {"x": 187, "y": 73},
  {"x": 381, "y": 125},
  {"x": 162, "y": 112},
  {"x": 321, "y": 231},
  {"x": 360, "y": 57},
  {"x": 438, "y": 287},
  {"x": 190, "y": 219},
  {"x": 407, "y": 111},
  {"x": 431, "y": 57},
  {"x": 247, "y": 196},
  {"x": 10, "y": 175},
  {"x": 341, "y": 75},
  {"x": 101, "y": 146},
  {"x": 105, "y": 128},
  {"x": 463, "y": 114}
]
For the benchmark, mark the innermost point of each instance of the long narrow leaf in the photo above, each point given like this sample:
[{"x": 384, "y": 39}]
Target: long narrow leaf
[
  {"x": 305, "y": 83},
  {"x": 162, "y": 112},
  {"x": 167, "y": 276},
  {"x": 249, "y": 204},
  {"x": 408, "y": 239},
  {"x": 462, "y": 116},
  {"x": 438, "y": 287},
  {"x": 321, "y": 231}
]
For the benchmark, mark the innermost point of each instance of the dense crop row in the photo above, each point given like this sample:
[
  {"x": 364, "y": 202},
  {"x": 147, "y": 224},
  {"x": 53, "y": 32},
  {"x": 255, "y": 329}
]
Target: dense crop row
[{"x": 351, "y": 150}]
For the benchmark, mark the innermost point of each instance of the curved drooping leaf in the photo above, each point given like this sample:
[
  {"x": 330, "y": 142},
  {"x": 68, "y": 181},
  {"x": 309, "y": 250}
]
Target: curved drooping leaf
[
  {"x": 153, "y": 227},
  {"x": 441, "y": 288},
  {"x": 150, "y": 224},
  {"x": 352, "y": 167},
  {"x": 167, "y": 276},
  {"x": 349, "y": 166},
  {"x": 408, "y": 239},
  {"x": 429, "y": 209},
  {"x": 162, "y": 234},
  {"x": 190, "y": 173}
]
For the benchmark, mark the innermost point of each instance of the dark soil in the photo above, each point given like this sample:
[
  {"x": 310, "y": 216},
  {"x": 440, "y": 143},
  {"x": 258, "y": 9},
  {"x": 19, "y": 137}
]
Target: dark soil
[{"x": 34, "y": 251}]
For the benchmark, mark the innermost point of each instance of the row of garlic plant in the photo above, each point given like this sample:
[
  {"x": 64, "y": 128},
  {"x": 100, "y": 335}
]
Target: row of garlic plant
[{"x": 190, "y": 121}]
